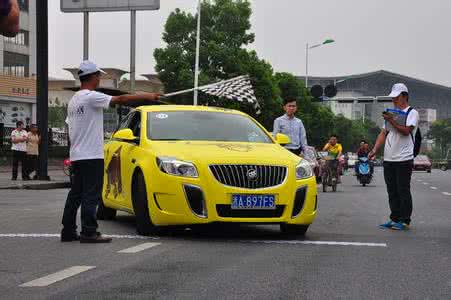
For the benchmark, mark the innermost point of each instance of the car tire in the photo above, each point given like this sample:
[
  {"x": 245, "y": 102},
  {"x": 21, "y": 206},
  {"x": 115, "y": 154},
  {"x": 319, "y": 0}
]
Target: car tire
[
  {"x": 105, "y": 213},
  {"x": 144, "y": 225},
  {"x": 291, "y": 229},
  {"x": 429, "y": 171}
]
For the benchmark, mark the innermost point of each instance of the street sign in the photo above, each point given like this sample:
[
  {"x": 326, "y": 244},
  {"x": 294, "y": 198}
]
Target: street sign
[{"x": 77, "y": 6}]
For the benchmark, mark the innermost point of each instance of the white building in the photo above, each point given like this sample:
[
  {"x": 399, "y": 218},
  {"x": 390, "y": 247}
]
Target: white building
[{"x": 427, "y": 117}]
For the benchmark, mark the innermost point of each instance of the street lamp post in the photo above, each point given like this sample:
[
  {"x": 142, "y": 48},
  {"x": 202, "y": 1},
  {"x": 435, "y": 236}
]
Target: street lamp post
[
  {"x": 196, "y": 72},
  {"x": 307, "y": 48}
]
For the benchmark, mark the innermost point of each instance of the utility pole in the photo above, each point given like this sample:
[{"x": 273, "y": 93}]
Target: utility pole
[{"x": 42, "y": 85}]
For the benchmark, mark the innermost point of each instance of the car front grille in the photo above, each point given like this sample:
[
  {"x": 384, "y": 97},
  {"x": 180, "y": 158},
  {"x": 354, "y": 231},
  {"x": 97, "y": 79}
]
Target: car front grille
[{"x": 249, "y": 176}]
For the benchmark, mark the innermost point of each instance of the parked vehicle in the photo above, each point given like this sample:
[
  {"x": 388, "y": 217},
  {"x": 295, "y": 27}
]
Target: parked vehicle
[
  {"x": 422, "y": 163},
  {"x": 378, "y": 162},
  {"x": 352, "y": 159},
  {"x": 364, "y": 175}
]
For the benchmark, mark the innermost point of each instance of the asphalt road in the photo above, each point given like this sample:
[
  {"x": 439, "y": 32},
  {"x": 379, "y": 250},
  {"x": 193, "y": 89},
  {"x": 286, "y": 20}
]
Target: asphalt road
[{"x": 344, "y": 254}]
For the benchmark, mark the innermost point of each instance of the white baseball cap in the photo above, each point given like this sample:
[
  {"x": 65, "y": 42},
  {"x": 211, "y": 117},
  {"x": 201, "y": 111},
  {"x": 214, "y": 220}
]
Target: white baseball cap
[
  {"x": 88, "y": 67},
  {"x": 397, "y": 89}
]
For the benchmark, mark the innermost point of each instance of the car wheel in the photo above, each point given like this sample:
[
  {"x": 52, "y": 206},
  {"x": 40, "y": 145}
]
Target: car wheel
[
  {"x": 429, "y": 171},
  {"x": 290, "y": 229},
  {"x": 105, "y": 213},
  {"x": 144, "y": 225}
]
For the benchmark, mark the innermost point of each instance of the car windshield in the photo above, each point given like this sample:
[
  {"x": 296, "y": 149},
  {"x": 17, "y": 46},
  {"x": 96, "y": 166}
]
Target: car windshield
[{"x": 203, "y": 126}]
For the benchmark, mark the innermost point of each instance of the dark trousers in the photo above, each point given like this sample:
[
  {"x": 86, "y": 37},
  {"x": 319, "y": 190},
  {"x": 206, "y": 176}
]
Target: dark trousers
[
  {"x": 397, "y": 178},
  {"x": 86, "y": 191},
  {"x": 32, "y": 164},
  {"x": 19, "y": 156}
]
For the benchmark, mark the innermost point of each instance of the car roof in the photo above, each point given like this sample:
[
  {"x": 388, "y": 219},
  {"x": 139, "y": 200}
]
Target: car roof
[{"x": 174, "y": 108}]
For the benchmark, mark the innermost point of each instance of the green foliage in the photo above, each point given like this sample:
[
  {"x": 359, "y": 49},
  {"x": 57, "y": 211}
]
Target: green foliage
[
  {"x": 57, "y": 117},
  {"x": 441, "y": 133}
]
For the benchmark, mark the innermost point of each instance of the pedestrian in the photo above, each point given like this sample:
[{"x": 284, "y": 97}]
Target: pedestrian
[
  {"x": 34, "y": 139},
  {"x": 398, "y": 134},
  {"x": 85, "y": 123},
  {"x": 19, "y": 147},
  {"x": 291, "y": 126}
]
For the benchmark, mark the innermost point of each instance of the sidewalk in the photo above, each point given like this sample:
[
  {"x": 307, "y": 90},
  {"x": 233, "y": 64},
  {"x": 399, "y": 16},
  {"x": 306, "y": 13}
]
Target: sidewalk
[{"x": 57, "y": 180}]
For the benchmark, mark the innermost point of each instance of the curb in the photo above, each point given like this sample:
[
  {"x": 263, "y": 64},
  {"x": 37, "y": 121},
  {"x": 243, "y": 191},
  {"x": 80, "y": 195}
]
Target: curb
[{"x": 38, "y": 186}]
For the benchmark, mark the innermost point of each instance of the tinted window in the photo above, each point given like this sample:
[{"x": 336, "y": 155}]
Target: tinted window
[{"x": 204, "y": 126}]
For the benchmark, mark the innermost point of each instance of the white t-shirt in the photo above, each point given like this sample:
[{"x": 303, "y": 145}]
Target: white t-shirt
[
  {"x": 399, "y": 147},
  {"x": 85, "y": 121},
  {"x": 19, "y": 146}
]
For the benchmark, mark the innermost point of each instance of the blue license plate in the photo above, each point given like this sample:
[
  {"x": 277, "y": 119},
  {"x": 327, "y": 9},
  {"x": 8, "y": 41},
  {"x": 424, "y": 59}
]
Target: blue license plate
[{"x": 253, "y": 202}]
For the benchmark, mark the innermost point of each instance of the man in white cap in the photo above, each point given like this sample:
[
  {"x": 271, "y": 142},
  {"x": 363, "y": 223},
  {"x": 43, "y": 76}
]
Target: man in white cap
[
  {"x": 85, "y": 121},
  {"x": 398, "y": 134}
]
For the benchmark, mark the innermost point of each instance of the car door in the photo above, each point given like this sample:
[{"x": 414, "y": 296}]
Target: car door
[
  {"x": 113, "y": 183},
  {"x": 128, "y": 157}
]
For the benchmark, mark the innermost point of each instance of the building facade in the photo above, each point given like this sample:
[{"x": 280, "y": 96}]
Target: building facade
[
  {"x": 422, "y": 94},
  {"x": 18, "y": 70}
]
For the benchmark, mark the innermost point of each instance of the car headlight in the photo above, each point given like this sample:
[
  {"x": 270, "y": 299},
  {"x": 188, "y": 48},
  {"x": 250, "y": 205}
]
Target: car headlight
[
  {"x": 303, "y": 170},
  {"x": 173, "y": 166}
]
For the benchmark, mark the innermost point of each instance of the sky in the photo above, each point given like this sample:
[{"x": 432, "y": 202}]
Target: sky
[{"x": 410, "y": 37}]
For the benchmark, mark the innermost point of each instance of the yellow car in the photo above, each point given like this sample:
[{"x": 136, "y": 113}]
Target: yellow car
[{"x": 187, "y": 165}]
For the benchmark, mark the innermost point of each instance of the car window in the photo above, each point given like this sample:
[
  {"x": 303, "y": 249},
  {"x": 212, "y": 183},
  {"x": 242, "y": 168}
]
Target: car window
[{"x": 135, "y": 123}]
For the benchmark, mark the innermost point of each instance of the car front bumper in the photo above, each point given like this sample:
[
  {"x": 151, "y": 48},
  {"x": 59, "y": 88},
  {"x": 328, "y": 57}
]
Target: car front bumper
[{"x": 183, "y": 201}]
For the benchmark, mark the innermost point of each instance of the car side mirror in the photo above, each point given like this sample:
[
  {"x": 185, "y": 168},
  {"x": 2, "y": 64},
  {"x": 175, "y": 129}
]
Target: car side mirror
[
  {"x": 125, "y": 135},
  {"x": 282, "y": 139}
]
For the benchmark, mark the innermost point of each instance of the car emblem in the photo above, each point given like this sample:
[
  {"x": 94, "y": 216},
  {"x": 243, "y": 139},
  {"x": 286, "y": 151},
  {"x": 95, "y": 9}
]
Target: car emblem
[{"x": 252, "y": 174}]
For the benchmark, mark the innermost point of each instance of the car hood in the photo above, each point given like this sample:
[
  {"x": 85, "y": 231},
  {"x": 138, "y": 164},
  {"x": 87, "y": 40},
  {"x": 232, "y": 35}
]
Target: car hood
[{"x": 225, "y": 152}]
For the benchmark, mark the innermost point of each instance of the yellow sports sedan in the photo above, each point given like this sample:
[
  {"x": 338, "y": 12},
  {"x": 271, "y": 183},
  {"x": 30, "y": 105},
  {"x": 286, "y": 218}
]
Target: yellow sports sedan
[{"x": 186, "y": 165}]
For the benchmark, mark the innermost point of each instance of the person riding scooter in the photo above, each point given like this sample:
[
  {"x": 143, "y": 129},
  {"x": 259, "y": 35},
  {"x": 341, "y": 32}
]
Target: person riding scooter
[{"x": 364, "y": 151}]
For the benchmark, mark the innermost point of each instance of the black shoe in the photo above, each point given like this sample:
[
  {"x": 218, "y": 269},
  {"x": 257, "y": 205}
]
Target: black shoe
[
  {"x": 69, "y": 237},
  {"x": 96, "y": 238}
]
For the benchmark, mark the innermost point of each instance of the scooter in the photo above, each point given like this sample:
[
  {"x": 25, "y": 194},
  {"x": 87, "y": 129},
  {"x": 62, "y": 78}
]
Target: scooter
[{"x": 364, "y": 175}]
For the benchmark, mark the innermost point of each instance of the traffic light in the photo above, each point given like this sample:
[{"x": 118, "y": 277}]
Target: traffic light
[{"x": 317, "y": 93}]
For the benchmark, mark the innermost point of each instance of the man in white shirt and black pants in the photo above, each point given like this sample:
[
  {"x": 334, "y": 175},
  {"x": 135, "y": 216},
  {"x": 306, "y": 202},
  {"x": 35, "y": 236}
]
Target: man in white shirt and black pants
[
  {"x": 398, "y": 157},
  {"x": 85, "y": 121}
]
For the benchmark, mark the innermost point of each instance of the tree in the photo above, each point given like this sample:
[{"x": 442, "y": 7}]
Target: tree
[
  {"x": 441, "y": 133},
  {"x": 224, "y": 36}
]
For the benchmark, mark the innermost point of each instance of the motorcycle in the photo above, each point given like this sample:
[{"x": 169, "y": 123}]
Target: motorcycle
[{"x": 364, "y": 175}]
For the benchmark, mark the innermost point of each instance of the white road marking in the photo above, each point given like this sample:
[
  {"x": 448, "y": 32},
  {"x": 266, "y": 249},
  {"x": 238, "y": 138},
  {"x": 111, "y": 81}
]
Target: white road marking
[
  {"x": 446, "y": 194},
  {"x": 56, "y": 235},
  {"x": 433, "y": 187},
  {"x": 58, "y": 276},
  {"x": 419, "y": 180},
  {"x": 139, "y": 248},
  {"x": 425, "y": 183},
  {"x": 327, "y": 243}
]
